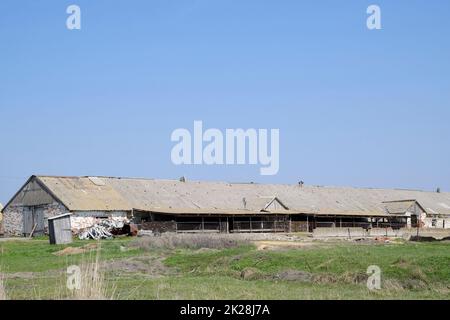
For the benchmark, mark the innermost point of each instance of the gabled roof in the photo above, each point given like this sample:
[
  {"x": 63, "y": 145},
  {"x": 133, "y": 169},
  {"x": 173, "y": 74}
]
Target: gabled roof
[
  {"x": 125, "y": 194},
  {"x": 401, "y": 206},
  {"x": 262, "y": 203}
]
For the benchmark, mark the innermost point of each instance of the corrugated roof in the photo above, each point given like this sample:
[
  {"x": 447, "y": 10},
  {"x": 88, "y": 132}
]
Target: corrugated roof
[
  {"x": 124, "y": 194},
  {"x": 191, "y": 211},
  {"x": 82, "y": 194}
]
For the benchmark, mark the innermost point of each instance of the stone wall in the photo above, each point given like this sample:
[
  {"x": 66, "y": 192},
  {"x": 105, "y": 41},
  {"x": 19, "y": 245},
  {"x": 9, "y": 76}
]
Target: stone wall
[
  {"x": 357, "y": 232},
  {"x": 13, "y": 217},
  {"x": 379, "y": 232},
  {"x": 440, "y": 223},
  {"x": 12, "y": 221},
  {"x": 80, "y": 221}
]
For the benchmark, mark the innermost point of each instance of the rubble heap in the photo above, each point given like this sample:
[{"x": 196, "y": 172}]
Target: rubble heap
[{"x": 105, "y": 229}]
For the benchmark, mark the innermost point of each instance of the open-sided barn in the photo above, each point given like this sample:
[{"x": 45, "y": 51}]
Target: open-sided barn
[{"x": 189, "y": 206}]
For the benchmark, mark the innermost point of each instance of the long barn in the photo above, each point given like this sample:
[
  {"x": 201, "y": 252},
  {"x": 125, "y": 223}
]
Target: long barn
[{"x": 196, "y": 206}]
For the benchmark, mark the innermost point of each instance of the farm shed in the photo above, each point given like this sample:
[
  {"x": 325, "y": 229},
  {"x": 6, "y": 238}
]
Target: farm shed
[
  {"x": 196, "y": 206},
  {"x": 59, "y": 229}
]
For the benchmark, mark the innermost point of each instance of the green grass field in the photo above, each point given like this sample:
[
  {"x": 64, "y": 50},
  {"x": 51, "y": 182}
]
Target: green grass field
[{"x": 336, "y": 271}]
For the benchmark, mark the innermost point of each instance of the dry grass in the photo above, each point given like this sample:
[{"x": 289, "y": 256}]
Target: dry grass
[
  {"x": 90, "y": 284},
  {"x": 188, "y": 241},
  {"x": 3, "y": 295},
  {"x": 393, "y": 286},
  {"x": 92, "y": 281}
]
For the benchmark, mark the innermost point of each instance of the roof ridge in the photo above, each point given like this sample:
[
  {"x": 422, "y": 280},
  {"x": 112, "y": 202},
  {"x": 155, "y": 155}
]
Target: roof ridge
[{"x": 240, "y": 183}]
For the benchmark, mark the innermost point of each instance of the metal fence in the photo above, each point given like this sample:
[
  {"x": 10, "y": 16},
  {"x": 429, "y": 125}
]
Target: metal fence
[
  {"x": 199, "y": 226},
  {"x": 264, "y": 225},
  {"x": 233, "y": 226},
  {"x": 260, "y": 226}
]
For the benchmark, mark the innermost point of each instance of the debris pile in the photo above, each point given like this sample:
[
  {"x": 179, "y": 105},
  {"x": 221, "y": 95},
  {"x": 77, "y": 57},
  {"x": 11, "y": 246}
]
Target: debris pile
[
  {"x": 105, "y": 229},
  {"x": 78, "y": 224}
]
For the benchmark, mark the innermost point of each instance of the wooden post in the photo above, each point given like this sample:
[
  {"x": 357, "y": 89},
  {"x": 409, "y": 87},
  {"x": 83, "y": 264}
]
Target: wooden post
[
  {"x": 203, "y": 224},
  {"x": 417, "y": 219},
  {"x": 307, "y": 223},
  {"x": 32, "y": 231}
]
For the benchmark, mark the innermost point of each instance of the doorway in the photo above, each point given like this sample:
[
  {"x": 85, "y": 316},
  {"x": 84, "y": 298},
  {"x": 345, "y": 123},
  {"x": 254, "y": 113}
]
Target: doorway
[{"x": 33, "y": 221}]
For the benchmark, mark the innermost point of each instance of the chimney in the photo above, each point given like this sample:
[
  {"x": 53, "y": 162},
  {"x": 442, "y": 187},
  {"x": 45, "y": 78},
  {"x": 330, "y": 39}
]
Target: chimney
[
  {"x": 244, "y": 201},
  {"x": 438, "y": 190},
  {"x": 183, "y": 179},
  {"x": 301, "y": 183}
]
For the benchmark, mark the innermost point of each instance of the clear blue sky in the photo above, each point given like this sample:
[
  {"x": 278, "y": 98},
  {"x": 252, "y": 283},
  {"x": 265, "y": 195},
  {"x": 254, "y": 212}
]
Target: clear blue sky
[{"x": 354, "y": 107}]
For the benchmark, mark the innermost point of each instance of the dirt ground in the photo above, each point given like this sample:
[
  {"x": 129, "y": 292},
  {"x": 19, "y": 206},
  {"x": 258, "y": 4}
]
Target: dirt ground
[
  {"x": 274, "y": 245},
  {"x": 76, "y": 250},
  {"x": 150, "y": 266}
]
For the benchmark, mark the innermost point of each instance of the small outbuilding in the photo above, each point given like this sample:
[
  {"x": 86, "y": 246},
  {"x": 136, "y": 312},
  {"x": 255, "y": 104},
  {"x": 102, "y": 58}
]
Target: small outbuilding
[{"x": 60, "y": 229}]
